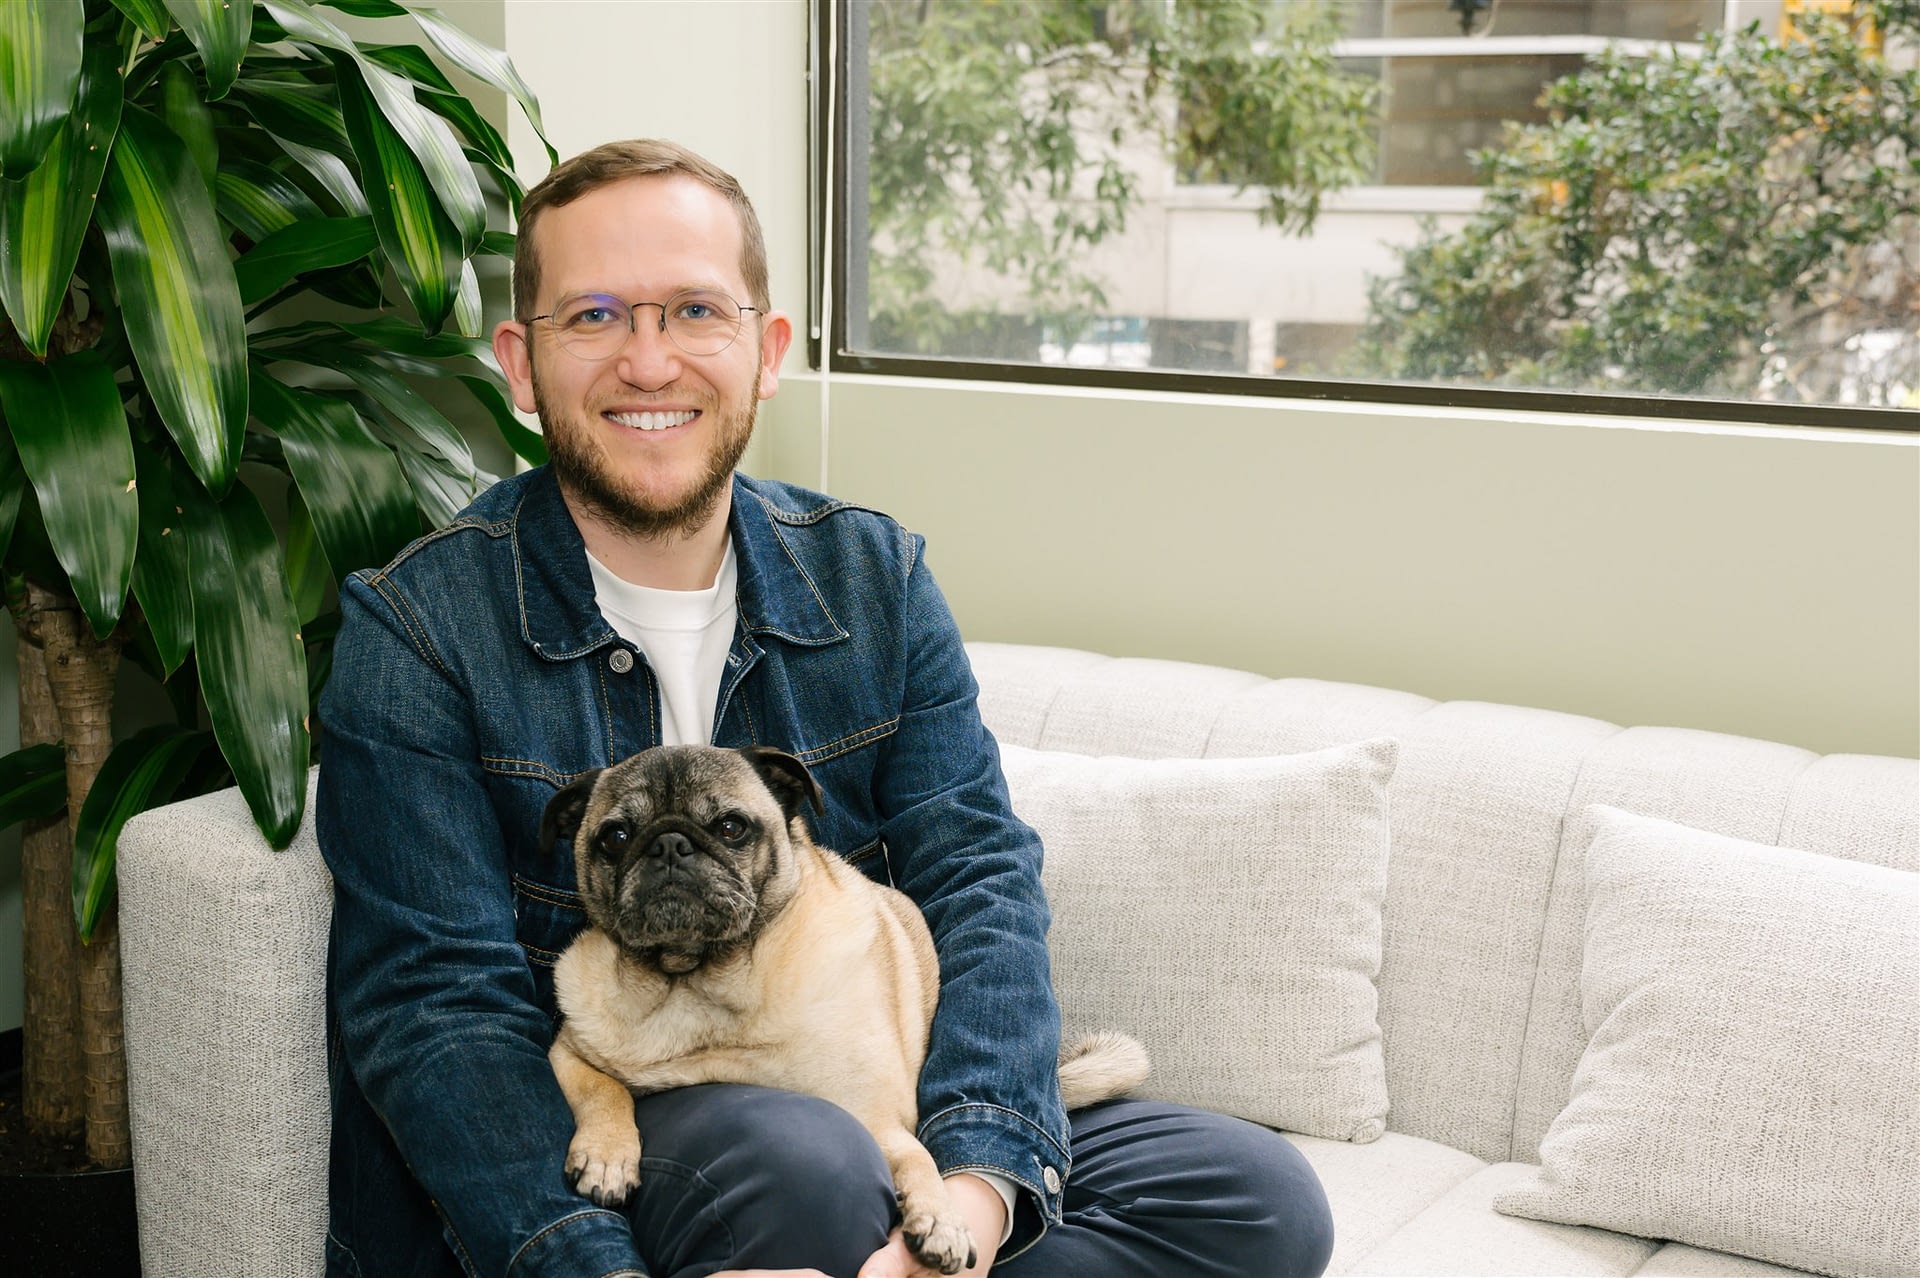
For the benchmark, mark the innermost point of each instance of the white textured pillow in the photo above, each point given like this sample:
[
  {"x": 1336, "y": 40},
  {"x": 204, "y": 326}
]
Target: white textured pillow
[
  {"x": 1226, "y": 912},
  {"x": 1750, "y": 1082}
]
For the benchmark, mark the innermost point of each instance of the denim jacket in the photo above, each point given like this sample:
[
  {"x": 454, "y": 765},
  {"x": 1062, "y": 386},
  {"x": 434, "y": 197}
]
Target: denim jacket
[{"x": 473, "y": 677}]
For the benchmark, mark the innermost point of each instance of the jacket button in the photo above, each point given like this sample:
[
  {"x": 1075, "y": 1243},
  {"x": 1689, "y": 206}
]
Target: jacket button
[
  {"x": 621, "y": 661},
  {"x": 1051, "y": 1179}
]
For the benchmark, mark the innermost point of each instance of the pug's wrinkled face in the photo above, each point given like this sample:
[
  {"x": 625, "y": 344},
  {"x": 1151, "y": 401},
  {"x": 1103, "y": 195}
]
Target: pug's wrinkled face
[{"x": 683, "y": 853}]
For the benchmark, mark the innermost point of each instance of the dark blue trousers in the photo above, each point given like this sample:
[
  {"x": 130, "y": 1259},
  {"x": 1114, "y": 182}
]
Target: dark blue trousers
[{"x": 746, "y": 1177}]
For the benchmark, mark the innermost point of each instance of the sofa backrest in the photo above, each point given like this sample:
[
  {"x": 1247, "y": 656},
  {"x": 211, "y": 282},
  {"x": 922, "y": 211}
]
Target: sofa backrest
[{"x": 1479, "y": 976}]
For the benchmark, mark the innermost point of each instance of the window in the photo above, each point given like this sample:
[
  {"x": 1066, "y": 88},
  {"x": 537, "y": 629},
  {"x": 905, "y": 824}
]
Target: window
[{"x": 1633, "y": 204}]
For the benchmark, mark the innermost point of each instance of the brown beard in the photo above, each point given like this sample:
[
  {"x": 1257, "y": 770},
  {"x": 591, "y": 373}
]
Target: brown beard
[{"x": 584, "y": 476}]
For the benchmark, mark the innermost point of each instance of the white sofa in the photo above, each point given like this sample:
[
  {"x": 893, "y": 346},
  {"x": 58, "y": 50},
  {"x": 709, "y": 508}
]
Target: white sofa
[{"x": 1479, "y": 966}]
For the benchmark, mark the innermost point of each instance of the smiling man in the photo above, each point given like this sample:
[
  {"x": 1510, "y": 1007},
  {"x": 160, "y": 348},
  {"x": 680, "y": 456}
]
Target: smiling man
[{"x": 636, "y": 591}]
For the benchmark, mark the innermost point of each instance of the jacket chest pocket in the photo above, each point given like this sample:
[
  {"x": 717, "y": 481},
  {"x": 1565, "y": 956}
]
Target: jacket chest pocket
[{"x": 850, "y": 824}]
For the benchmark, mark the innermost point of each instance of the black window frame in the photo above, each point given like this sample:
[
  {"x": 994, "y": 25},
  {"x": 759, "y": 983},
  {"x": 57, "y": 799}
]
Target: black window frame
[{"x": 837, "y": 33}]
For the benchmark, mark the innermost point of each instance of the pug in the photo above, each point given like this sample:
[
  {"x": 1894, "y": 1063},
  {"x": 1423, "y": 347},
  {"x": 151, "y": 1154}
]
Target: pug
[{"x": 723, "y": 945}]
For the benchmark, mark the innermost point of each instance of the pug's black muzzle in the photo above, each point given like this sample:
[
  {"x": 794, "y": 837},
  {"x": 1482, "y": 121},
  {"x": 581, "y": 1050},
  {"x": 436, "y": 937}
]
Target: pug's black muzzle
[{"x": 678, "y": 892}]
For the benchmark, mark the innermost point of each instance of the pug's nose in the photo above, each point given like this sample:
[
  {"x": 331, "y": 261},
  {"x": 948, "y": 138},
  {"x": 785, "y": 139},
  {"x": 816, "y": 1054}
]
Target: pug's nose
[{"x": 670, "y": 848}]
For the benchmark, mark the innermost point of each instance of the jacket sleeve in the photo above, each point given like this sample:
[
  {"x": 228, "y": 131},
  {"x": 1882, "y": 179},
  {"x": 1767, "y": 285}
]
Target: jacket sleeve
[
  {"x": 989, "y": 1091},
  {"x": 437, "y": 1010}
]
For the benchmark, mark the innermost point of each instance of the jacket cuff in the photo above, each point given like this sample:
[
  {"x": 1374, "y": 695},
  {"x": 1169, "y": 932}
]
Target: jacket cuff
[
  {"x": 988, "y": 1138},
  {"x": 594, "y": 1243}
]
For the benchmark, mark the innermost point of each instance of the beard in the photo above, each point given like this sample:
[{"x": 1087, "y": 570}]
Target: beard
[{"x": 587, "y": 476}]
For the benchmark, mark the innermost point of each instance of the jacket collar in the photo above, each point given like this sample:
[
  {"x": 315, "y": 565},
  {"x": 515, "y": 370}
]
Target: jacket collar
[{"x": 560, "y": 620}]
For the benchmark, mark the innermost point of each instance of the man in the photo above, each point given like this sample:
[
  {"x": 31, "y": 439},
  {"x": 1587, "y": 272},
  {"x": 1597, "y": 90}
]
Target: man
[{"x": 633, "y": 591}]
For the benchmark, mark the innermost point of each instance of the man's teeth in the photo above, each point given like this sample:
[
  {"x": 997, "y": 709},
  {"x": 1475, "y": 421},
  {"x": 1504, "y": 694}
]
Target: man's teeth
[{"x": 652, "y": 421}]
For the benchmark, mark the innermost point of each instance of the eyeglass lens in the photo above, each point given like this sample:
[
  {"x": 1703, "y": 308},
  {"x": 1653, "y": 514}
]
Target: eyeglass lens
[{"x": 699, "y": 322}]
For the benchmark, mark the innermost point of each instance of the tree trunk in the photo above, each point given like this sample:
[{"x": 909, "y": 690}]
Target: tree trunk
[
  {"x": 81, "y": 670},
  {"x": 52, "y": 1075}
]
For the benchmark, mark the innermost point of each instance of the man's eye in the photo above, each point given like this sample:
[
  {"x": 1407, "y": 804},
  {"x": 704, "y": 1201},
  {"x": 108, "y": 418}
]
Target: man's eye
[
  {"x": 695, "y": 311},
  {"x": 591, "y": 317}
]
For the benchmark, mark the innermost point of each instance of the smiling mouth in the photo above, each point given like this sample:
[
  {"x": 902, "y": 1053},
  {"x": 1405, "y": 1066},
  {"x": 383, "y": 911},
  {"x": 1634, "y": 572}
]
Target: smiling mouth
[{"x": 651, "y": 421}]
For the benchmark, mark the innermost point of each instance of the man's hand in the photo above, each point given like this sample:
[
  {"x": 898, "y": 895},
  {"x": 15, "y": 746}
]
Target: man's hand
[{"x": 986, "y": 1214}]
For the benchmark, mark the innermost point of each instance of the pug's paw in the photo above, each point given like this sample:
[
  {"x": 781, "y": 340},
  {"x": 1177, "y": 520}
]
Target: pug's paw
[
  {"x": 604, "y": 1166},
  {"x": 942, "y": 1244}
]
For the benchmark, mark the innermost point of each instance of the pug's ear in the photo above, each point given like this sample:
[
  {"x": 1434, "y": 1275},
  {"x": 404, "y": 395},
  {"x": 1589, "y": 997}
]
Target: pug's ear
[
  {"x": 787, "y": 777},
  {"x": 561, "y": 820}
]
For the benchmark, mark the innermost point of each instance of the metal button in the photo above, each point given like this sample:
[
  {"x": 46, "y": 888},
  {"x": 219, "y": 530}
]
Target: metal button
[
  {"x": 1051, "y": 1179},
  {"x": 621, "y": 661}
]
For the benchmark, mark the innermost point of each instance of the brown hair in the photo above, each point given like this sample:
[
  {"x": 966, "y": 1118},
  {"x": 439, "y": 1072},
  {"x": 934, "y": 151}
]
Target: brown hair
[{"x": 614, "y": 162}]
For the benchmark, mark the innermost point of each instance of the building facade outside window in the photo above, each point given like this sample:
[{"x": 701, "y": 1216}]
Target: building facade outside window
[{"x": 1715, "y": 199}]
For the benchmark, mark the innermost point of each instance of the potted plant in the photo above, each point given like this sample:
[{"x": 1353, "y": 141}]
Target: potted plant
[{"x": 174, "y": 173}]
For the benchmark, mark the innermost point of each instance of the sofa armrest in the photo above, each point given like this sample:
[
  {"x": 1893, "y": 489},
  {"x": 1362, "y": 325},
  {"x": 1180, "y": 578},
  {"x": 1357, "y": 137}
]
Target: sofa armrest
[{"x": 224, "y": 946}]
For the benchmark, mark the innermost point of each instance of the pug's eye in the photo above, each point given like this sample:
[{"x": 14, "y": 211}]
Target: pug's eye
[
  {"x": 733, "y": 828},
  {"x": 612, "y": 839}
]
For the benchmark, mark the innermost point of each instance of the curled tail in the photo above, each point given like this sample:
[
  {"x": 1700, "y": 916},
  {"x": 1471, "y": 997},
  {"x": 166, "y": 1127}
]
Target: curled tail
[{"x": 1100, "y": 1067}]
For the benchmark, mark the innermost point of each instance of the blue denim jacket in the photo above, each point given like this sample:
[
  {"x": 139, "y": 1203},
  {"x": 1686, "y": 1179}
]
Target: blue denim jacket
[{"x": 472, "y": 679}]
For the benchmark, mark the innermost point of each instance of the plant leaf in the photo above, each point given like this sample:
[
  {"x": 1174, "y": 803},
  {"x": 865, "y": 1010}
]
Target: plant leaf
[
  {"x": 440, "y": 96},
  {"x": 352, "y": 485},
  {"x": 44, "y": 216},
  {"x": 422, "y": 422},
  {"x": 301, "y": 247},
  {"x": 141, "y": 772},
  {"x": 526, "y": 444},
  {"x": 68, "y": 422},
  {"x": 299, "y": 112},
  {"x": 306, "y": 123},
  {"x": 187, "y": 114},
  {"x": 178, "y": 295},
  {"x": 162, "y": 570},
  {"x": 33, "y": 783},
  {"x": 367, "y": 8},
  {"x": 384, "y": 337},
  {"x": 258, "y": 201},
  {"x": 420, "y": 243},
  {"x": 333, "y": 174},
  {"x": 40, "y": 56},
  {"x": 220, "y": 30},
  {"x": 467, "y": 315},
  {"x": 485, "y": 64},
  {"x": 253, "y": 670},
  {"x": 307, "y": 570},
  {"x": 437, "y": 490},
  {"x": 426, "y": 136},
  {"x": 13, "y": 486},
  {"x": 149, "y": 15}
]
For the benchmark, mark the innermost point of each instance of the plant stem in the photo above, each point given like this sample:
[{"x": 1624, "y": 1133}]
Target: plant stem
[
  {"x": 81, "y": 670},
  {"x": 52, "y": 1074}
]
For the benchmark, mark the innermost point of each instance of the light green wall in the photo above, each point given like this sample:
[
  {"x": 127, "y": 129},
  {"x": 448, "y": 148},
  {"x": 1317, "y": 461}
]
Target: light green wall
[{"x": 1757, "y": 581}]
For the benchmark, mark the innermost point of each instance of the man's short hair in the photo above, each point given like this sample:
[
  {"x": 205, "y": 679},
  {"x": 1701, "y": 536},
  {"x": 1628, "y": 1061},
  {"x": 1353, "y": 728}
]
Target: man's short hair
[{"x": 615, "y": 162}]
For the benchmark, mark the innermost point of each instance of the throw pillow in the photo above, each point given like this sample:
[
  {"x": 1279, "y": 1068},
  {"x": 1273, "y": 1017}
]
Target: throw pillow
[
  {"x": 1226, "y": 912},
  {"x": 1750, "y": 1080}
]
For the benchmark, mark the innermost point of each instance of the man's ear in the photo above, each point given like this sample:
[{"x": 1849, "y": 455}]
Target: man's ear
[
  {"x": 516, "y": 361},
  {"x": 561, "y": 820},
  {"x": 788, "y": 779},
  {"x": 776, "y": 334}
]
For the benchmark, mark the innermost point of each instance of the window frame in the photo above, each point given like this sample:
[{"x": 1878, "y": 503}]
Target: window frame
[{"x": 836, "y": 226}]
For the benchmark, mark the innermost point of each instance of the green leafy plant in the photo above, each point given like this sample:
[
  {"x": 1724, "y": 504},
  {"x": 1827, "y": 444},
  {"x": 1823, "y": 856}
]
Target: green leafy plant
[
  {"x": 1743, "y": 221},
  {"x": 1007, "y": 138},
  {"x": 232, "y": 236}
]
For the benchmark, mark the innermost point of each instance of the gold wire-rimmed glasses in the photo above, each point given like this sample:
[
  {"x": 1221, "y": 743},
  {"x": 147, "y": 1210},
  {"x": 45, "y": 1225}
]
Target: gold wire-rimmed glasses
[{"x": 700, "y": 321}]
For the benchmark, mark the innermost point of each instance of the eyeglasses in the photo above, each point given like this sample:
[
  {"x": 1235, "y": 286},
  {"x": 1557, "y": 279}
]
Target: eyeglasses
[{"x": 595, "y": 325}]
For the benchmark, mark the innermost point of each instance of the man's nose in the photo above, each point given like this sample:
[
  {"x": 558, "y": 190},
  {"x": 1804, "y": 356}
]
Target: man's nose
[{"x": 648, "y": 357}]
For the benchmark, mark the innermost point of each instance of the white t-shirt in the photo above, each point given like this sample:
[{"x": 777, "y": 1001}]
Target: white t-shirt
[{"x": 685, "y": 635}]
